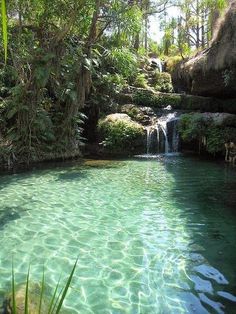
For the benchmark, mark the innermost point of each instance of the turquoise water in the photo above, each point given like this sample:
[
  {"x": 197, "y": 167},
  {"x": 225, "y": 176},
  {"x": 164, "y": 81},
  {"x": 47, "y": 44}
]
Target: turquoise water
[{"x": 151, "y": 236}]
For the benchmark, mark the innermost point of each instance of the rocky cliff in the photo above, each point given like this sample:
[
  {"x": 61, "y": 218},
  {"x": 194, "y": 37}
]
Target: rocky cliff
[{"x": 212, "y": 72}]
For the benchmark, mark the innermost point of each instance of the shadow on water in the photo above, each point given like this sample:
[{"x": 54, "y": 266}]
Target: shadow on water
[
  {"x": 62, "y": 171},
  {"x": 81, "y": 171},
  {"x": 205, "y": 192},
  {"x": 203, "y": 183},
  {"x": 73, "y": 175},
  {"x": 8, "y": 214}
]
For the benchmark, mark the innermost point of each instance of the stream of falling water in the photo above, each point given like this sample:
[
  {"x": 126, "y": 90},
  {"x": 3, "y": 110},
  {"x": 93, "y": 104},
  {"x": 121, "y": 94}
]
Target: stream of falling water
[{"x": 163, "y": 135}]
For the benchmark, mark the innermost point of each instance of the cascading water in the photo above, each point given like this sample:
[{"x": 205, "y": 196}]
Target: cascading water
[
  {"x": 149, "y": 138},
  {"x": 163, "y": 135},
  {"x": 175, "y": 136},
  {"x": 163, "y": 128}
]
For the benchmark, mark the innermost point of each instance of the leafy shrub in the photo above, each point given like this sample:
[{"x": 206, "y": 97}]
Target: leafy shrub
[
  {"x": 112, "y": 83},
  {"x": 162, "y": 101},
  {"x": 215, "y": 140},
  {"x": 140, "y": 81},
  {"x": 143, "y": 98},
  {"x": 197, "y": 127},
  {"x": 192, "y": 126},
  {"x": 131, "y": 110},
  {"x": 162, "y": 82},
  {"x": 8, "y": 79},
  {"x": 120, "y": 134},
  {"x": 217, "y": 136},
  {"x": 123, "y": 62}
]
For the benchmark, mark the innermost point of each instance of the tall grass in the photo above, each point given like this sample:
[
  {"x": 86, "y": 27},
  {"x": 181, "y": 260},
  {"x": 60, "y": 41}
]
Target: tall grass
[{"x": 56, "y": 301}]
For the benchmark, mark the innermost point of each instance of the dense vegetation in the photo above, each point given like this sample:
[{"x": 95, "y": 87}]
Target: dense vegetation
[
  {"x": 209, "y": 135},
  {"x": 65, "y": 58}
]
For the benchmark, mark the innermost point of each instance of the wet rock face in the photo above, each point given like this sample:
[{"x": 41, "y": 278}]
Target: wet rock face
[
  {"x": 212, "y": 72},
  {"x": 221, "y": 119}
]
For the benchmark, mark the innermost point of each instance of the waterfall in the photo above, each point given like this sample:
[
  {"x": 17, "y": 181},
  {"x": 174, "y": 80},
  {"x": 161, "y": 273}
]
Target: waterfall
[
  {"x": 175, "y": 136},
  {"x": 158, "y": 138},
  {"x": 163, "y": 127},
  {"x": 163, "y": 135},
  {"x": 149, "y": 138}
]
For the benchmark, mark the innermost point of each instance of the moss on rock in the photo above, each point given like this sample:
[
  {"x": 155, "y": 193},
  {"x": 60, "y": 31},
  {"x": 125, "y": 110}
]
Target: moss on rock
[
  {"x": 120, "y": 134},
  {"x": 183, "y": 102}
]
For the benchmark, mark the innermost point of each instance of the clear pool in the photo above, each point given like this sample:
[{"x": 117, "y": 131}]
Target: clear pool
[{"x": 152, "y": 236}]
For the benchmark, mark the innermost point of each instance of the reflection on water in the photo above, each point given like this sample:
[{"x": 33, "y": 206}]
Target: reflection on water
[{"x": 152, "y": 236}]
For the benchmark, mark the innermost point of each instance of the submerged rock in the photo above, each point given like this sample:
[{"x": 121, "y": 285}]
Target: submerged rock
[
  {"x": 33, "y": 300},
  {"x": 212, "y": 72}
]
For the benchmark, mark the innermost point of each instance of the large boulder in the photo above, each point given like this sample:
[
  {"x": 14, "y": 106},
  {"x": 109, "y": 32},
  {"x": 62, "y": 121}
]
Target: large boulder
[
  {"x": 119, "y": 134},
  {"x": 212, "y": 72}
]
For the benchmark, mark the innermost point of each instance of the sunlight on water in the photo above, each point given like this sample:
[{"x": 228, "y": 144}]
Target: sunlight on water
[{"x": 152, "y": 236}]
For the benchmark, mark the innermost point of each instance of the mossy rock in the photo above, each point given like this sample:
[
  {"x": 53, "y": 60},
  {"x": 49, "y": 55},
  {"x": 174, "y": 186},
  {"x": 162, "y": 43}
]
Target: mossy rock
[
  {"x": 119, "y": 134},
  {"x": 184, "y": 102},
  {"x": 157, "y": 100},
  {"x": 139, "y": 114}
]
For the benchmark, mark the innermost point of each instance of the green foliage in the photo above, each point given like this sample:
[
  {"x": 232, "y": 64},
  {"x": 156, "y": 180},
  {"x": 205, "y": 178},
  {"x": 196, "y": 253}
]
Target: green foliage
[
  {"x": 215, "y": 140},
  {"x": 131, "y": 110},
  {"x": 140, "y": 81},
  {"x": 111, "y": 83},
  {"x": 192, "y": 126},
  {"x": 191, "y": 29},
  {"x": 143, "y": 98},
  {"x": 162, "y": 82},
  {"x": 8, "y": 77},
  {"x": 171, "y": 62},
  {"x": 4, "y": 27},
  {"x": 123, "y": 62},
  {"x": 197, "y": 127},
  {"x": 218, "y": 136},
  {"x": 184, "y": 102},
  {"x": 162, "y": 101},
  {"x": 148, "y": 98},
  {"x": 125, "y": 25},
  {"x": 119, "y": 134}
]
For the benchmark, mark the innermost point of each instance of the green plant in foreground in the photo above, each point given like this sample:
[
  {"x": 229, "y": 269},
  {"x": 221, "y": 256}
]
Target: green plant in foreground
[
  {"x": 4, "y": 26},
  {"x": 54, "y": 304}
]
